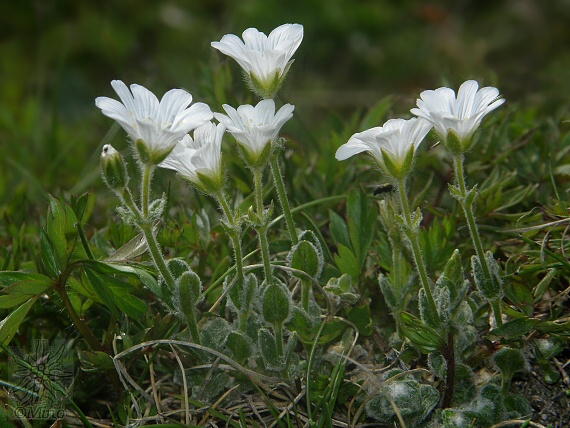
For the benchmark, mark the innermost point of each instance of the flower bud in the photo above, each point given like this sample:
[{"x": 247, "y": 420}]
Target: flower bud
[{"x": 113, "y": 168}]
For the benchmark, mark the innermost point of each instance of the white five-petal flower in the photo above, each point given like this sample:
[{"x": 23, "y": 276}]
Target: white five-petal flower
[
  {"x": 154, "y": 126},
  {"x": 199, "y": 160},
  {"x": 460, "y": 116},
  {"x": 390, "y": 145},
  {"x": 255, "y": 128},
  {"x": 264, "y": 59}
]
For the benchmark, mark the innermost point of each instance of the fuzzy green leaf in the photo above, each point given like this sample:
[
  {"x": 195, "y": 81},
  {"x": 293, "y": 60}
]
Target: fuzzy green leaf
[
  {"x": 304, "y": 257},
  {"x": 515, "y": 328},
  {"x": 276, "y": 304},
  {"x": 268, "y": 350},
  {"x": 425, "y": 338}
]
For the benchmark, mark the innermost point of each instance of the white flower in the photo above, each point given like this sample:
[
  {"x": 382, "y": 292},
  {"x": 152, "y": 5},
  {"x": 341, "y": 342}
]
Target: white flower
[
  {"x": 255, "y": 128},
  {"x": 155, "y": 127},
  {"x": 459, "y": 117},
  {"x": 392, "y": 145},
  {"x": 265, "y": 60},
  {"x": 199, "y": 160}
]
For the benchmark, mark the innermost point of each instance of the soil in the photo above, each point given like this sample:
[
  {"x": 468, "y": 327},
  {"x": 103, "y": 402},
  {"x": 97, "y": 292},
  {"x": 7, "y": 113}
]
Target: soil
[{"x": 550, "y": 403}]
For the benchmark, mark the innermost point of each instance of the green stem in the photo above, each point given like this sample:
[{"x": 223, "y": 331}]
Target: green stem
[
  {"x": 278, "y": 329},
  {"x": 145, "y": 225},
  {"x": 496, "y": 307},
  {"x": 234, "y": 236},
  {"x": 305, "y": 294},
  {"x": 283, "y": 199},
  {"x": 78, "y": 322},
  {"x": 190, "y": 317},
  {"x": 84, "y": 329},
  {"x": 473, "y": 230},
  {"x": 156, "y": 254},
  {"x": 127, "y": 199},
  {"x": 416, "y": 250},
  {"x": 145, "y": 188},
  {"x": 262, "y": 227}
]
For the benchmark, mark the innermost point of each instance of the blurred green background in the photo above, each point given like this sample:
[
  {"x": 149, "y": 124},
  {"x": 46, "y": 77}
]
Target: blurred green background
[{"x": 57, "y": 56}]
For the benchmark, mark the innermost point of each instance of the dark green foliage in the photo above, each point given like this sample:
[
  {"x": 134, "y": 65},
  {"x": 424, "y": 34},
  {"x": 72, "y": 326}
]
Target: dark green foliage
[{"x": 60, "y": 56}]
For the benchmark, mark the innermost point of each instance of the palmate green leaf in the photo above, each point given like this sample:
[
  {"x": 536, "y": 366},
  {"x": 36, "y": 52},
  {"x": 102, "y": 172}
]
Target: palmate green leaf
[
  {"x": 19, "y": 292},
  {"x": 346, "y": 262},
  {"x": 115, "y": 294},
  {"x": 129, "y": 270},
  {"x": 9, "y": 325},
  {"x": 360, "y": 317},
  {"x": 79, "y": 205},
  {"x": 56, "y": 227},
  {"x": 521, "y": 296},
  {"x": 47, "y": 256},
  {"x": 95, "y": 361},
  {"x": 11, "y": 277},
  {"x": 339, "y": 230}
]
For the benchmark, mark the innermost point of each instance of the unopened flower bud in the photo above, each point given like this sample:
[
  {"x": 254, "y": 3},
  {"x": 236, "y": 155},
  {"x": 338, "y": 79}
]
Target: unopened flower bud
[{"x": 113, "y": 168}]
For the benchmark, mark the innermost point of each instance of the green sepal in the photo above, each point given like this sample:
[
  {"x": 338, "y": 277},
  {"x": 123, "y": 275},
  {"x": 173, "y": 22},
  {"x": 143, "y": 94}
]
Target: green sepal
[
  {"x": 209, "y": 184},
  {"x": 388, "y": 166},
  {"x": 113, "y": 169},
  {"x": 267, "y": 89},
  {"x": 254, "y": 159},
  {"x": 408, "y": 163},
  {"x": 149, "y": 157},
  {"x": 454, "y": 144}
]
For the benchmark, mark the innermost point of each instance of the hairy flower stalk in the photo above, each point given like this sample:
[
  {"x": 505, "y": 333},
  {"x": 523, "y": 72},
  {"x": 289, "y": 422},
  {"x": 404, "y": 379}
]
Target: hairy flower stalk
[
  {"x": 256, "y": 130},
  {"x": 456, "y": 119},
  {"x": 393, "y": 146},
  {"x": 154, "y": 128},
  {"x": 198, "y": 160},
  {"x": 283, "y": 199}
]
